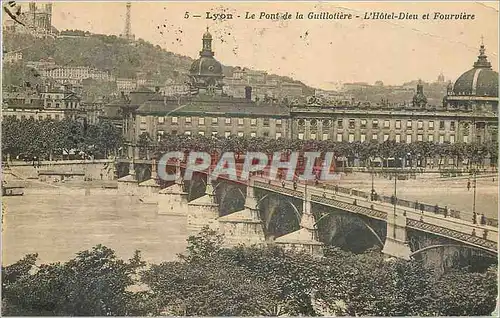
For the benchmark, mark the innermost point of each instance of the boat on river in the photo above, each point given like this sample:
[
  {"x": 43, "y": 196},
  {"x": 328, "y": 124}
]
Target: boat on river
[{"x": 12, "y": 189}]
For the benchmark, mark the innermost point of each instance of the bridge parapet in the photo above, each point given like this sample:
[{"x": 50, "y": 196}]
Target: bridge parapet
[
  {"x": 482, "y": 236},
  {"x": 359, "y": 209},
  {"x": 470, "y": 239},
  {"x": 275, "y": 188}
]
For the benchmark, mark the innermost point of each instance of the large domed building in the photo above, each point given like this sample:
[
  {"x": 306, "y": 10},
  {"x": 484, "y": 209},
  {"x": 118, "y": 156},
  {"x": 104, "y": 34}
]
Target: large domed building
[
  {"x": 206, "y": 72},
  {"x": 476, "y": 89}
]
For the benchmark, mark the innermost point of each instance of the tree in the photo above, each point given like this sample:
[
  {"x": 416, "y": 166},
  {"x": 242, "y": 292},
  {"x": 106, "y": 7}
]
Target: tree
[
  {"x": 205, "y": 283},
  {"x": 108, "y": 138},
  {"x": 476, "y": 297},
  {"x": 144, "y": 143},
  {"x": 210, "y": 280},
  {"x": 95, "y": 283}
]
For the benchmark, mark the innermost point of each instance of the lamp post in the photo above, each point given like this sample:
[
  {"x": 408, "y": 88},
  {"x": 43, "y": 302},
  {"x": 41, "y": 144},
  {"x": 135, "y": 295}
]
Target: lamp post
[
  {"x": 373, "y": 189},
  {"x": 395, "y": 200},
  {"x": 474, "y": 200}
]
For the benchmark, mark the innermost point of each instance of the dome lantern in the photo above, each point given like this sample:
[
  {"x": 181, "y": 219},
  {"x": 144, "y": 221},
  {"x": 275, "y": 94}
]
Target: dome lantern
[
  {"x": 207, "y": 44},
  {"x": 482, "y": 59}
]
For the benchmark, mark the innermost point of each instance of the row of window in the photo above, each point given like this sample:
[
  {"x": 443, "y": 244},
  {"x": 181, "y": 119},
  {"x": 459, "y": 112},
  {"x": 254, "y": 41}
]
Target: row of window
[
  {"x": 40, "y": 117},
  {"x": 375, "y": 124},
  {"x": 340, "y": 137},
  {"x": 68, "y": 105},
  {"x": 409, "y": 138},
  {"x": 215, "y": 133},
  {"x": 215, "y": 120}
]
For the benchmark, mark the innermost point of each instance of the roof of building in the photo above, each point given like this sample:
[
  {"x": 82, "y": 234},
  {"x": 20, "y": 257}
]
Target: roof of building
[
  {"x": 478, "y": 81},
  {"x": 207, "y": 35},
  {"x": 202, "y": 104},
  {"x": 206, "y": 66},
  {"x": 112, "y": 111}
]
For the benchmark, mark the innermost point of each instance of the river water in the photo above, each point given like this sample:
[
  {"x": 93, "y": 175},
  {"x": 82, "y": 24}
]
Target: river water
[{"x": 57, "y": 222}]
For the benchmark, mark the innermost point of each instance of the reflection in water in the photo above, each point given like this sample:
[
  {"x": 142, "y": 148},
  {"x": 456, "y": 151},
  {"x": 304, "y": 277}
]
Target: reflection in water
[{"x": 58, "y": 222}]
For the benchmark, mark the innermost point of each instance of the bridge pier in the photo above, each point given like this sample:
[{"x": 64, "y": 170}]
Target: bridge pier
[
  {"x": 396, "y": 242},
  {"x": 203, "y": 211},
  {"x": 173, "y": 200},
  {"x": 245, "y": 226},
  {"x": 305, "y": 239},
  {"x": 128, "y": 185},
  {"x": 149, "y": 188}
]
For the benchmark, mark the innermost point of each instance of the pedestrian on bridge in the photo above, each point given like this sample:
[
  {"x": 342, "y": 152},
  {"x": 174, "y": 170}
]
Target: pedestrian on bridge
[
  {"x": 468, "y": 185},
  {"x": 483, "y": 219},
  {"x": 416, "y": 205}
]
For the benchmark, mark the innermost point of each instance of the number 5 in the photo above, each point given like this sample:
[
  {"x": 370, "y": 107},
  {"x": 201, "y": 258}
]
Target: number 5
[{"x": 186, "y": 16}]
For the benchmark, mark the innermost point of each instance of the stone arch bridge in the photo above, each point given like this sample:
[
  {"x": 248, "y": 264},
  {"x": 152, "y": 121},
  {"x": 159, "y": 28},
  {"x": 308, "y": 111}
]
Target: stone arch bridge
[{"x": 307, "y": 217}]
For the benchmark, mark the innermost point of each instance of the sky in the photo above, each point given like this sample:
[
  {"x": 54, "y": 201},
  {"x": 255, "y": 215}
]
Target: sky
[{"x": 317, "y": 52}]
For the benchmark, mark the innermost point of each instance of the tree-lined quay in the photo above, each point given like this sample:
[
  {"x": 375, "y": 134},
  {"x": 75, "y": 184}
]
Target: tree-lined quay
[
  {"x": 417, "y": 154},
  {"x": 52, "y": 139},
  {"x": 45, "y": 138}
]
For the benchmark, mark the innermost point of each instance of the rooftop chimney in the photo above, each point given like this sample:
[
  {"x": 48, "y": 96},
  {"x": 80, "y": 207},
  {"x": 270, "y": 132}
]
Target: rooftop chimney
[{"x": 248, "y": 92}]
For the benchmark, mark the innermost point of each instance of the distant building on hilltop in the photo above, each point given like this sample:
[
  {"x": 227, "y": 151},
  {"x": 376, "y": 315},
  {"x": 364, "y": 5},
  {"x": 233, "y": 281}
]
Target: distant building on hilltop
[
  {"x": 74, "y": 74},
  {"x": 126, "y": 85},
  {"x": 37, "y": 18},
  {"x": 12, "y": 57},
  {"x": 440, "y": 78},
  {"x": 263, "y": 86}
]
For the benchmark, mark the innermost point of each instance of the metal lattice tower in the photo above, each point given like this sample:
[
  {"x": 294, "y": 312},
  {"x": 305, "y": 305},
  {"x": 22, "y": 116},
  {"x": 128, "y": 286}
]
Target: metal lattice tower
[{"x": 127, "y": 32}]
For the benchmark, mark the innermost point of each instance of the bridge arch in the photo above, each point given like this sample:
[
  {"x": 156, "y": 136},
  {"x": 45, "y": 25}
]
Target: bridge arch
[
  {"x": 143, "y": 172},
  {"x": 279, "y": 214},
  {"x": 196, "y": 186},
  {"x": 368, "y": 226},
  {"x": 488, "y": 252},
  {"x": 294, "y": 209},
  {"x": 231, "y": 199}
]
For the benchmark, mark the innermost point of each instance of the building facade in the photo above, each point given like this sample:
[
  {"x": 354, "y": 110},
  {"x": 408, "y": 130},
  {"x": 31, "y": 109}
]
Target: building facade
[
  {"x": 74, "y": 74},
  {"x": 469, "y": 113},
  {"x": 126, "y": 85},
  {"x": 51, "y": 104},
  {"x": 204, "y": 110},
  {"x": 210, "y": 116},
  {"x": 37, "y": 20},
  {"x": 207, "y": 110},
  {"x": 12, "y": 57}
]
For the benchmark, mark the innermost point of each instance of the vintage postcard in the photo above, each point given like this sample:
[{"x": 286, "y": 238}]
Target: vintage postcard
[{"x": 186, "y": 158}]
